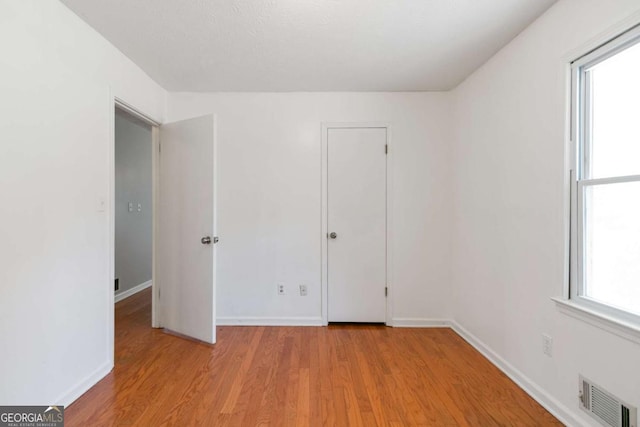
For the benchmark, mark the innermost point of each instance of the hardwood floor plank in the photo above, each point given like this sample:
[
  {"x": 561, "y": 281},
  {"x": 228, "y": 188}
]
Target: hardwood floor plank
[
  {"x": 302, "y": 406},
  {"x": 240, "y": 378},
  {"x": 341, "y": 375}
]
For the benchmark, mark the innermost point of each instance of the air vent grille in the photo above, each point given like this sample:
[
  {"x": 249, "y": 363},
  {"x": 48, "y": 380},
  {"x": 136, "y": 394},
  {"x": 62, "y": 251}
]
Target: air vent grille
[
  {"x": 605, "y": 407},
  {"x": 586, "y": 395}
]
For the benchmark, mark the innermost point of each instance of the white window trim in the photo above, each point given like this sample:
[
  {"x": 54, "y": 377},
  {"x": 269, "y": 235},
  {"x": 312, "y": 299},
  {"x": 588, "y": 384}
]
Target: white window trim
[
  {"x": 597, "y": 318},
  {"x": 603, "y": 316}
]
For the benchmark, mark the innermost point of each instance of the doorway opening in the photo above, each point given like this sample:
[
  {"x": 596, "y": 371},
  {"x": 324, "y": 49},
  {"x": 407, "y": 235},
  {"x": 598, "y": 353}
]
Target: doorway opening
[
  {"x": 132, "y": 215},
  {"x": 133, "y": 218},
  {"x": 133, "y": 206}
]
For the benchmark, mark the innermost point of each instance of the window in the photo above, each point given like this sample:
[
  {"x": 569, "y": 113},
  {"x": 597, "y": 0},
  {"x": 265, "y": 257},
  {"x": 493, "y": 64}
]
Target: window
[{"x": 605, "y": 178}]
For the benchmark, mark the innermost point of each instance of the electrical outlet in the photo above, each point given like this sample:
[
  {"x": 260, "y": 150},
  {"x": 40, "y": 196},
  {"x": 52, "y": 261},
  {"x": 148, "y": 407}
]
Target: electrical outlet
[
  {"x": 547, "y": 345},
  {"x": 303, "y": 290},
  {"x": 281, "y": 289}
]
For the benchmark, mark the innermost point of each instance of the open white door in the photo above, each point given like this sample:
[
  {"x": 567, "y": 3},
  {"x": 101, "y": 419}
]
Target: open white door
[{"x": 185, "y": 250}]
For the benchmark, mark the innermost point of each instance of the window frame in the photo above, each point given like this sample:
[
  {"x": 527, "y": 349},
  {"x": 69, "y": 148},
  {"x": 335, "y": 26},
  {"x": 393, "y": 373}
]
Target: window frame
[{"x": 580, "y": 151}]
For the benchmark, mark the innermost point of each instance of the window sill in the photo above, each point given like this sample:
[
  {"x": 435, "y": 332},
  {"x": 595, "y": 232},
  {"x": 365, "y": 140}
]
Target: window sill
[{"x": 622, "y": 328}]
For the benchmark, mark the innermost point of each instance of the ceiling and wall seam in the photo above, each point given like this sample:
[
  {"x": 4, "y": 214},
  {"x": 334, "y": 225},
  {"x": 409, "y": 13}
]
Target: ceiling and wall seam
[{"x": 310, "y": 46}]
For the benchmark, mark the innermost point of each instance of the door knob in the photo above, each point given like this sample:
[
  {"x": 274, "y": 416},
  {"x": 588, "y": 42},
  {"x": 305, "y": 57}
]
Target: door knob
[
  {"x": 206, "y": 240},
  {"x": 333, "y": 235}
]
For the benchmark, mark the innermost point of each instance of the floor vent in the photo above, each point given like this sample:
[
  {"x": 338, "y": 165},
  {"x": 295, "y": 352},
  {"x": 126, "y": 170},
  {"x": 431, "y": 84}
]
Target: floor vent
[{"x": 605, "y": 407}]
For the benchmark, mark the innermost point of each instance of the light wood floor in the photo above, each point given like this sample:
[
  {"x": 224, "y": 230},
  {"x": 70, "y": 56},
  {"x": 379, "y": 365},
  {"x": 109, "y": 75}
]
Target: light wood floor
[{"x": 338, "y": 375}]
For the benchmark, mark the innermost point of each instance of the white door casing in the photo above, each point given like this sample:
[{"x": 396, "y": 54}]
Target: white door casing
[
  {"x": 356, "y": 210},
  {"x": 185, "y": 267}
]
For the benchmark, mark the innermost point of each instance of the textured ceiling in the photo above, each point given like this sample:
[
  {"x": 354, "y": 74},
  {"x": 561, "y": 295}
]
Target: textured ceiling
[{"x": 309, "y": 45}]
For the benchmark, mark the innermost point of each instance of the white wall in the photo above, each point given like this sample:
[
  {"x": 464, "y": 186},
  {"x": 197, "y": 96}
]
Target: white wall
[
  {"x": 508, "y": 243},
  {"x": 55, "y": 129},
  {"x": 133, "y": 184},
  {"x": 269, "y": 199}
]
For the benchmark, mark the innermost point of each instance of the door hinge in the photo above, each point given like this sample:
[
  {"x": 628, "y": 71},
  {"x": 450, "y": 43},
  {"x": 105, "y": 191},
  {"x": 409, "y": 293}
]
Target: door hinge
[
  {"x": 386, "y": 291},
  {"x": 159, "y": 147},
  {"x": 159, "y": 293},
  {"x": 386, "y": 149}
]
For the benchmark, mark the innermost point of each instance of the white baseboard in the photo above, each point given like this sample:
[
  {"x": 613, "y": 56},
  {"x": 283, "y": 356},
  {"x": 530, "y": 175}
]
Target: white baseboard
[
  {"x": 83, "y": 386},
  {"x": 407, "y": 322},
  {"x": 269, "y": 321},
  {"x": 550, "y": 403},
  {"x": 126, "y": 294}
]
